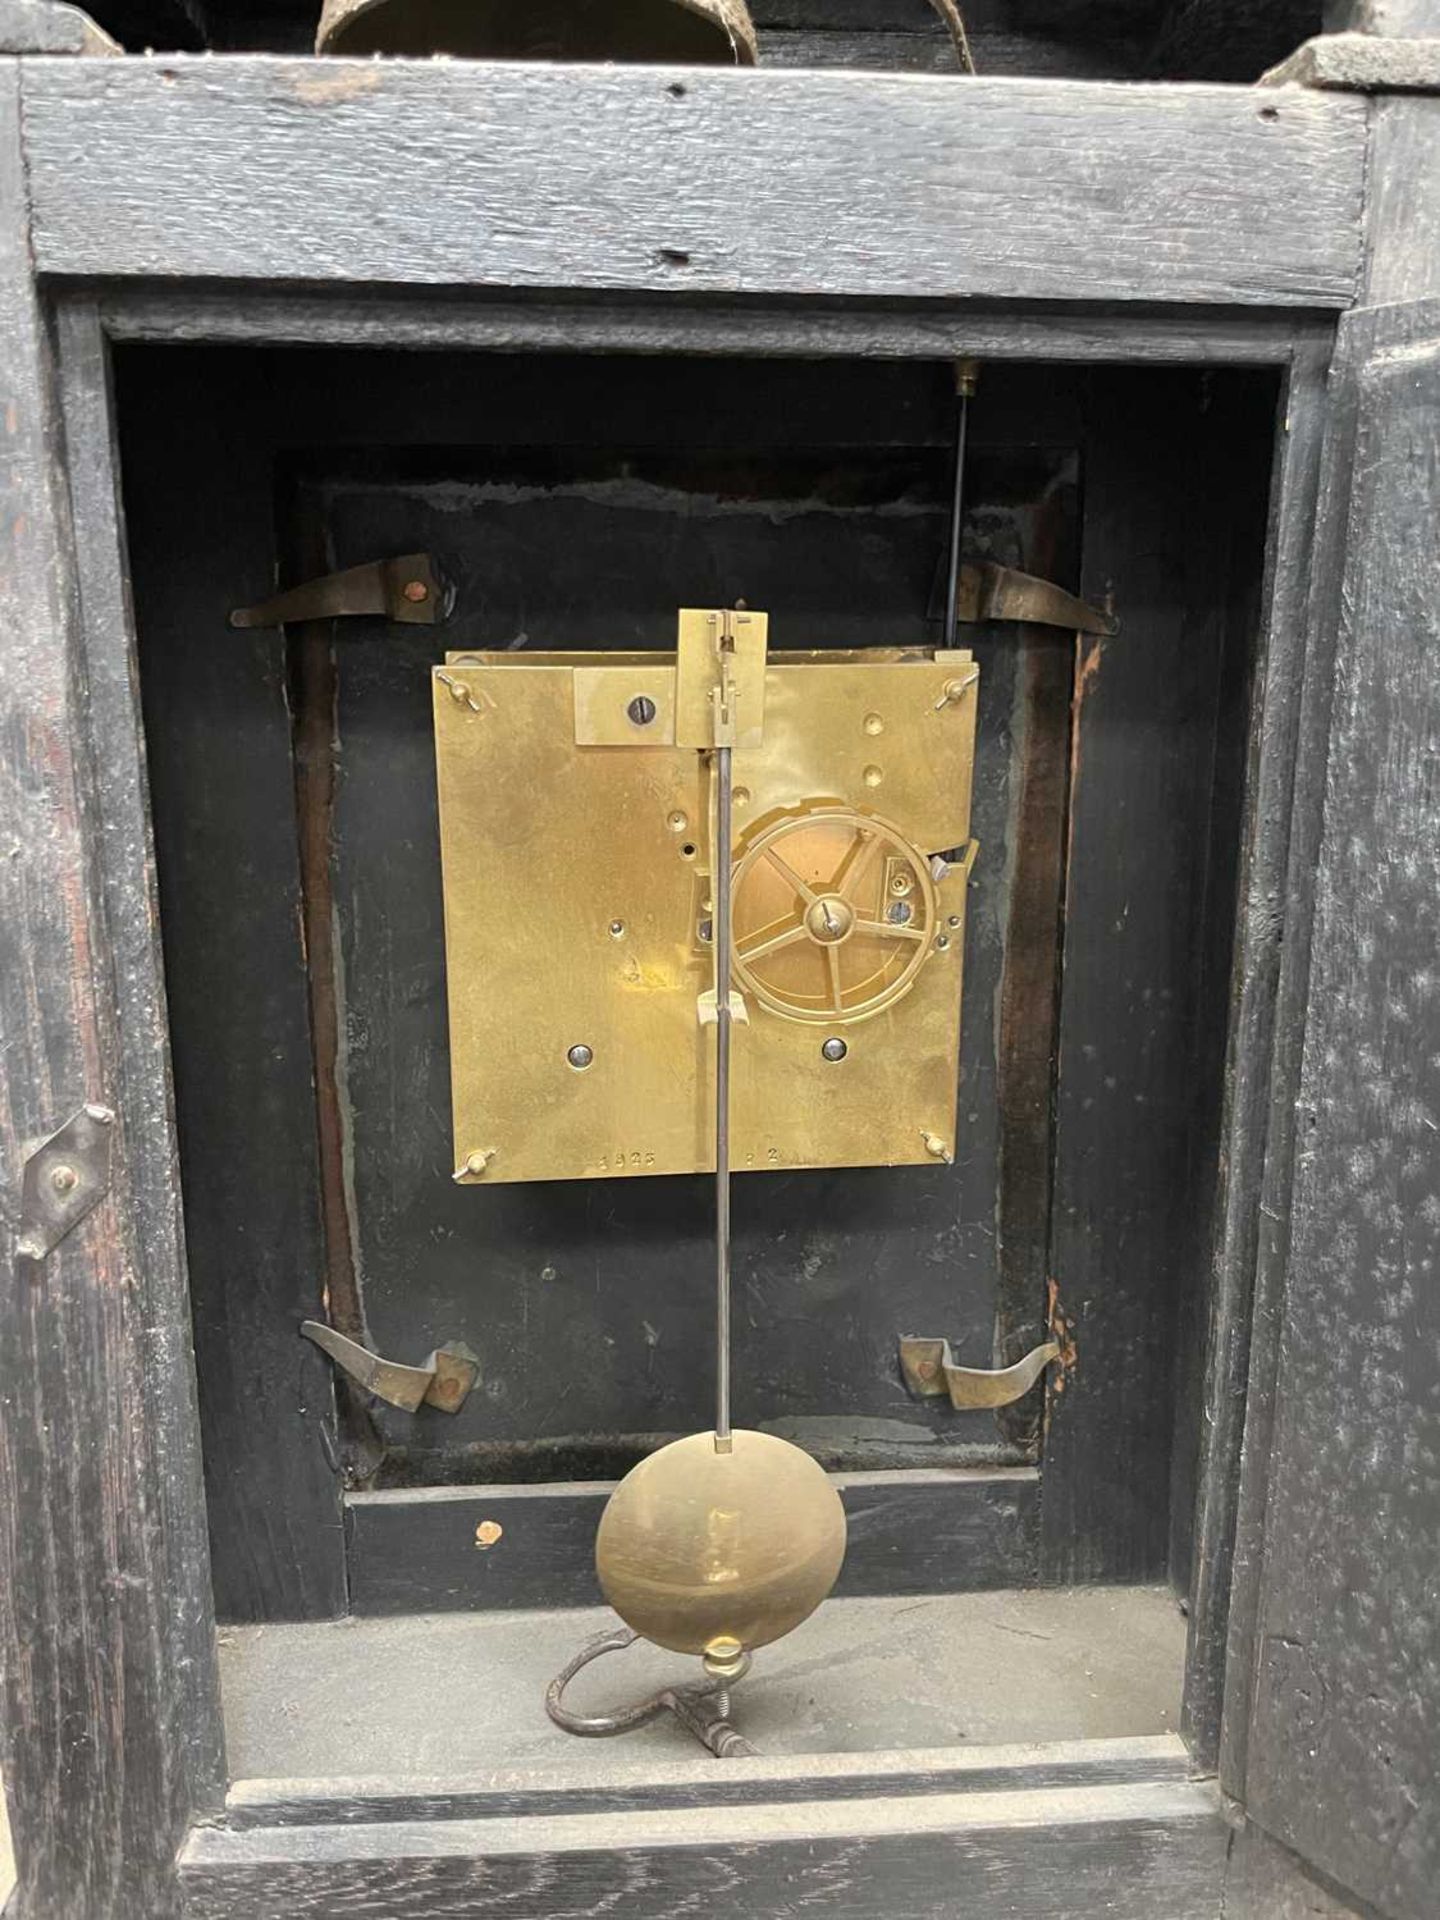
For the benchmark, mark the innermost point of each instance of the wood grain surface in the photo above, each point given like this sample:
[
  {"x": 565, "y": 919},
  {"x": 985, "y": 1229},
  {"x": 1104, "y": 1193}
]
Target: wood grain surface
[{"x": 823, "y": 184}]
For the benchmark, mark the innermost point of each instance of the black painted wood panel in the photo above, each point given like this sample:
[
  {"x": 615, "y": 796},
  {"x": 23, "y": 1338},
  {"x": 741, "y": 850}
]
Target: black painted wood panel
[
  {"x": 1132, "y": 1853},
  {"x": 587, "y": 1299},
  {"x": 464, "y": 174},
  {"x": 1279, "y": 834},
  {"x": 217, "y": 717},
  {"x": 1346, "y": 1659},
  {"x": 1134, "y": 1761},
  {"x": 418, "y": 1551},
  {"x": 1149, "y": 901},
  {"x": 108, "y": 1730}
]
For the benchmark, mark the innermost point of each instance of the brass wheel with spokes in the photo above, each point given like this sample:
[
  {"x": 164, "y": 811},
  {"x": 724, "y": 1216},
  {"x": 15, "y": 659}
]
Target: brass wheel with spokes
[{"x": 834, "y": 913}]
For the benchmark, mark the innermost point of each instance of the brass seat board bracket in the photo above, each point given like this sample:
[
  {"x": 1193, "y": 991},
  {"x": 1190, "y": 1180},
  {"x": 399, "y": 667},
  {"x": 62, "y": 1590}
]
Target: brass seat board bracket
[
  {"x": 408, "y": 589},
  {"x": 992, "y": 592},
  {"x": 63, "y": 1178},
  {"x": 444, "y": 1380},
  {"x": 930, "y": 1368}
]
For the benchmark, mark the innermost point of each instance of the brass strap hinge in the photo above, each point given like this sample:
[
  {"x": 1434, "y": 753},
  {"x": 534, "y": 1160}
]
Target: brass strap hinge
[
  {"x": 929, "y": 1368},
  {"x": 443, "y": 1381},
  {"x": 408, "y": 589}
]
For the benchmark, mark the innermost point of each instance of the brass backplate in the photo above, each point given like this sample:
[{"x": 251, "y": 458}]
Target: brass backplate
[{"x": 576, "y": 883}]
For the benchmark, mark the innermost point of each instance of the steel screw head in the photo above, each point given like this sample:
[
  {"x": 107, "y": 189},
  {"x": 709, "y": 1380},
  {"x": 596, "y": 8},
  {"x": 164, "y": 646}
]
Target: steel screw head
[
  {"x": 617, "y": 929},
  {"x": 942, "y": 941},
  {"x": 706, "y": 931},
  {"x": 580, "y": 1056},
  {"x": 900, "y": 913},
  {"x": 641, "y": 710},
  {"x": 834, "y": 1048},
  {"x": 954, "y": 920}
]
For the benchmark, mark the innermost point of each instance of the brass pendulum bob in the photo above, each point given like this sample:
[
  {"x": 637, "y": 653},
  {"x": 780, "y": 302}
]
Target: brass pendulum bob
[
  {"x": 721, "y": 1542},
  {"x": 686, "y": 32}
]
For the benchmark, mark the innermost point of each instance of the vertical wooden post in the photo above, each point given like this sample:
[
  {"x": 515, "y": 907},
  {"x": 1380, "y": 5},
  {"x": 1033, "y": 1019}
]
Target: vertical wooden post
[{"x": 109, "y": 1736}]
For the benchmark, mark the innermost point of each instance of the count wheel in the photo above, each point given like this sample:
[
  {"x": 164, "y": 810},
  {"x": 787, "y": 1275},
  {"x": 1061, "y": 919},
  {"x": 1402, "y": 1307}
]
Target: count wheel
[{"x": 834, "y": 914}]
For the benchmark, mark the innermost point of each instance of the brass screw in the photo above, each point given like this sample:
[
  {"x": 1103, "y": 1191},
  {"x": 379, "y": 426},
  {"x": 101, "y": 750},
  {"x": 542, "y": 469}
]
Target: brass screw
[
  {"x": 64, "y": 1179},
  {"x": 416, "y": 592},
  {"x": 487, "y": 1533}
]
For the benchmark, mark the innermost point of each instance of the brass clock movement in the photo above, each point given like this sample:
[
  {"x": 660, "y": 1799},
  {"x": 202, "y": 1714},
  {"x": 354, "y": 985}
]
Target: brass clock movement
[{"x": 578, "y": 838}]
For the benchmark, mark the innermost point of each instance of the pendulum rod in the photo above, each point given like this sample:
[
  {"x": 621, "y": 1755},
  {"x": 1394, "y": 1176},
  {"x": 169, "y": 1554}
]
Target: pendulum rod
[
  {"x": 966, "y": 373},
  {"x": 721, "y": 934}
]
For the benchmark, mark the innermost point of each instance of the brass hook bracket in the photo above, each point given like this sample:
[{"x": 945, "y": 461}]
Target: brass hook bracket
[
  {"x": 408, "y": 589},
  {"x": 929, "y": 1368},
  {"x": 988, "y": 591},
  {"x": 443, "y": 1381}
]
